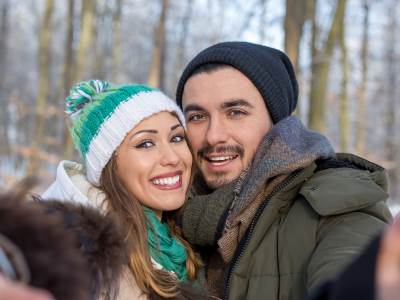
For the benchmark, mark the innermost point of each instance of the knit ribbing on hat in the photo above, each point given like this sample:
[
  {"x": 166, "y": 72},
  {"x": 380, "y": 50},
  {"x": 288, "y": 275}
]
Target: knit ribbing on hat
[
  {"x": 270, "y": 70},
  {"x": 103, "y": 124}
]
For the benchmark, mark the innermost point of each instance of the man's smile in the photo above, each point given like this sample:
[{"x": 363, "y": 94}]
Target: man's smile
[
  {"x": 219, "y": 162},
  {"x": 220, "y": 158}
]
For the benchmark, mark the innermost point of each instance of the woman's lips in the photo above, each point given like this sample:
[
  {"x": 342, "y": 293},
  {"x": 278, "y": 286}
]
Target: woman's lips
[{"x": 168, "y": 181}]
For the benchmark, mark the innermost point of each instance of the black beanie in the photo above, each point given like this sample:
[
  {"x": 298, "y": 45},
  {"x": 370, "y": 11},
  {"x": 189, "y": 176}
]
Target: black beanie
[{"x": 270, "y": 70}]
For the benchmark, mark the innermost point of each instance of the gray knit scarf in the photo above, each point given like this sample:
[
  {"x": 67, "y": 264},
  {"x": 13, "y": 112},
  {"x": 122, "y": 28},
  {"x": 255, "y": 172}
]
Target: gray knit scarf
[{"x": 287, "y": 147}]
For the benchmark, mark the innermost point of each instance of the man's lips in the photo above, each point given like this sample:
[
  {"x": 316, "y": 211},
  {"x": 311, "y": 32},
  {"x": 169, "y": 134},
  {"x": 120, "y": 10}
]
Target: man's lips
[{"x": 168, "y": 181}]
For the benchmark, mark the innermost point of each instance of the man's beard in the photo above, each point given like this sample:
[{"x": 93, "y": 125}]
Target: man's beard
[{"x": 217, "y": 180}]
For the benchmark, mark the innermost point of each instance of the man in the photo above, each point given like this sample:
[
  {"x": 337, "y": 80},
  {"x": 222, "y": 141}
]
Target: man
[{"x": 275, "y": 210}]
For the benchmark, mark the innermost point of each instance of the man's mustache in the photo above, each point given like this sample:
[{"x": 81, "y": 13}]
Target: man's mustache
[{"x": 220, "y": 150}]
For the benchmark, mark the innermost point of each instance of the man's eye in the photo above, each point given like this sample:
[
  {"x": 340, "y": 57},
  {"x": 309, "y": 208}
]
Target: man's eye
[
  {"x": 195, "y": 117},
  {"x": 177, "y": 138},
  {"x": 145, "y": 144},
  {"x": 236, "y": 113}
]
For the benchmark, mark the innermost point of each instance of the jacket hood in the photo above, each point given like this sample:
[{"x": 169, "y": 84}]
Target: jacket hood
[
  {"x": 72, "y": 186},
  {"x": 345, "y": 183}
]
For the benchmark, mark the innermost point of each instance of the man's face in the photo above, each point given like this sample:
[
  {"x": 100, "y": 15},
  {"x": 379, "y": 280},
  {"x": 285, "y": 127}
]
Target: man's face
[{"x": 226, "y": 120}]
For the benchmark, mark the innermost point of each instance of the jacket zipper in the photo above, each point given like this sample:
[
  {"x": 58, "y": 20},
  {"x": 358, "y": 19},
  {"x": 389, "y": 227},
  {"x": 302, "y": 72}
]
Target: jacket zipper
[{"x": 245, "y": 240}]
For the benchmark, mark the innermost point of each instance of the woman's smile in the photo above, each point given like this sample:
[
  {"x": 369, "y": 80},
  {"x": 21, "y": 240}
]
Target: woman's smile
[{"x": 168, "y": 181}]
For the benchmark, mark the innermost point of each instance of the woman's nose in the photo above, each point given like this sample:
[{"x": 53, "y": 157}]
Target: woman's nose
[{"x": 169, "y": 156}]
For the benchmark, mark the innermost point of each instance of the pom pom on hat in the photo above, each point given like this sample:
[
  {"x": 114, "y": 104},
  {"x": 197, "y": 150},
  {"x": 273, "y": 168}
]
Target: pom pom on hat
[{"x": 81, "y": 94}]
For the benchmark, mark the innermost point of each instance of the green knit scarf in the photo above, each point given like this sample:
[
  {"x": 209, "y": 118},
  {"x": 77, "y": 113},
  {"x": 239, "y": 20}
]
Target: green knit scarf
[{"x": 165, "y": 249}]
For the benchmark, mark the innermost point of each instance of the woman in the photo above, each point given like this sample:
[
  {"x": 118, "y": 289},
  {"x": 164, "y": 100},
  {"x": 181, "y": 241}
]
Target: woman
[{"x": 138, "y": 166}]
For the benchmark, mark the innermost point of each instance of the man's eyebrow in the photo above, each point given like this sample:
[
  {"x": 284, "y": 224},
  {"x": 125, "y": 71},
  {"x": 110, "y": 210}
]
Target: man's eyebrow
[
  {"x": 193, "y": 107},
  {"x": 226, "y": 104},
  {"x": 236, "y": 102}
]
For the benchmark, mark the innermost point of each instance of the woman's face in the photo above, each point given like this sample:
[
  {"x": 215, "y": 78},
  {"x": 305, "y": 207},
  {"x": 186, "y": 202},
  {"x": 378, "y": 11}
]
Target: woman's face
[{"x": 154, "y": 162}]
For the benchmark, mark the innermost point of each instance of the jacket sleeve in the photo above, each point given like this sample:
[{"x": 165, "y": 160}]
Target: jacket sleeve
[{"x": 342, "y": 237}]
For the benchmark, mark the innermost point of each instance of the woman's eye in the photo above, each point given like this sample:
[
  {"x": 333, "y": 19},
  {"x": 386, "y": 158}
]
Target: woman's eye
[
  {"x": 195, "y": 117},
  {"x": 145, "y": 144},
  {"x": 178, "y": 138}
]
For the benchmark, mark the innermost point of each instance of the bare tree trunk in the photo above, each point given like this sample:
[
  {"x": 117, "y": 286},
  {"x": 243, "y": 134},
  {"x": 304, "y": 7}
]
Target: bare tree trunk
[
  {"x": 155, "y": 73},
  {"x": 314, "y": 29},
  {"x": 314, "y": 53},
  {"x": 4, "y": 117},
  {"x": 68, "y": 77},
  {"x": 320, "y": 71},
  {"x": 344, "y": 113},
  {"x": 391, "y": 144},
  {"x": 79, "y": 68},
  {"x": 44, "y": 63},
  {"x": 116, "y": 50},
  {"x": 360, "y": 133},
  {"x": 296, "y": 15},
  {"x": 101, "y": 48},
  {"x": 181, "y": 51},
  {"x": 164, "y": 57},
  {"x": 85, "y": 39}
]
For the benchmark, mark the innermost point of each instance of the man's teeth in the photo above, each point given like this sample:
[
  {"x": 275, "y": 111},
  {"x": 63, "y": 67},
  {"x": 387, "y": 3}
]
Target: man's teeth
[
  {"x": 166, "y": 180},
  {"x": 221, "y": 158}
]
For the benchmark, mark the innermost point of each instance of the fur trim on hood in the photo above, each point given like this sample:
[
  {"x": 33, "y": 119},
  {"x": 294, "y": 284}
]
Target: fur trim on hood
[
  {"x": 102, "y": 240},
  {"x": 43, "y": 252}
]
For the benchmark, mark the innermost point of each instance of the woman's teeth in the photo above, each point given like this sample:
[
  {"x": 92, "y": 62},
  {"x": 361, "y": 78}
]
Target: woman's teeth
[{"x": 166, "y": 180}]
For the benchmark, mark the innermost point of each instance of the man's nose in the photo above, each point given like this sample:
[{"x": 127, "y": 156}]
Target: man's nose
[{"x": 216, "y": 132}]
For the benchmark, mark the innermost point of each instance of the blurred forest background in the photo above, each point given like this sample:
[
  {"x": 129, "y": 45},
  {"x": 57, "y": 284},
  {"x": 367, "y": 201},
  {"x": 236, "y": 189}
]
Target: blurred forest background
[{"x": 346, "y": 54}]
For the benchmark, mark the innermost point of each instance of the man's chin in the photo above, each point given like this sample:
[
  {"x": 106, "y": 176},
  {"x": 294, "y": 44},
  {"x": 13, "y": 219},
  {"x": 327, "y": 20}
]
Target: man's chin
[{"x": 218, "y": 182}]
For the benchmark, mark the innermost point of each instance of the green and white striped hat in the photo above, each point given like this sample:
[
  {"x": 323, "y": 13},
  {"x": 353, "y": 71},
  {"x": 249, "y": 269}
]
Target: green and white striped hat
[{"x": 102, "y": 114}]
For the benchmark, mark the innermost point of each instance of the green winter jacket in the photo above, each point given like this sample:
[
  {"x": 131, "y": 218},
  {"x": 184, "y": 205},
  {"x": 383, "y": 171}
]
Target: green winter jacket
[{"x": 304, "y": 233}]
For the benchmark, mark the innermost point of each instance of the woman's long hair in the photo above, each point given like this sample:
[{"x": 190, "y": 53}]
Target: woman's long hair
[{"x": 131, "y": 214}]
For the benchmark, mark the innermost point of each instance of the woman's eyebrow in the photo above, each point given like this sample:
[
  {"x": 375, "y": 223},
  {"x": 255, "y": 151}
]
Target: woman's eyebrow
[
  {"x": 152, "y": 131},
  {"x": 176, "y": 126}
]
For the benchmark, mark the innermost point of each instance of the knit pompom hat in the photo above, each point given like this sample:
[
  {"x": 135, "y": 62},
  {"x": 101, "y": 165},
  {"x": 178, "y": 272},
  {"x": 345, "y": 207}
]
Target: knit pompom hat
[{"x": 102, "y": 114}]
